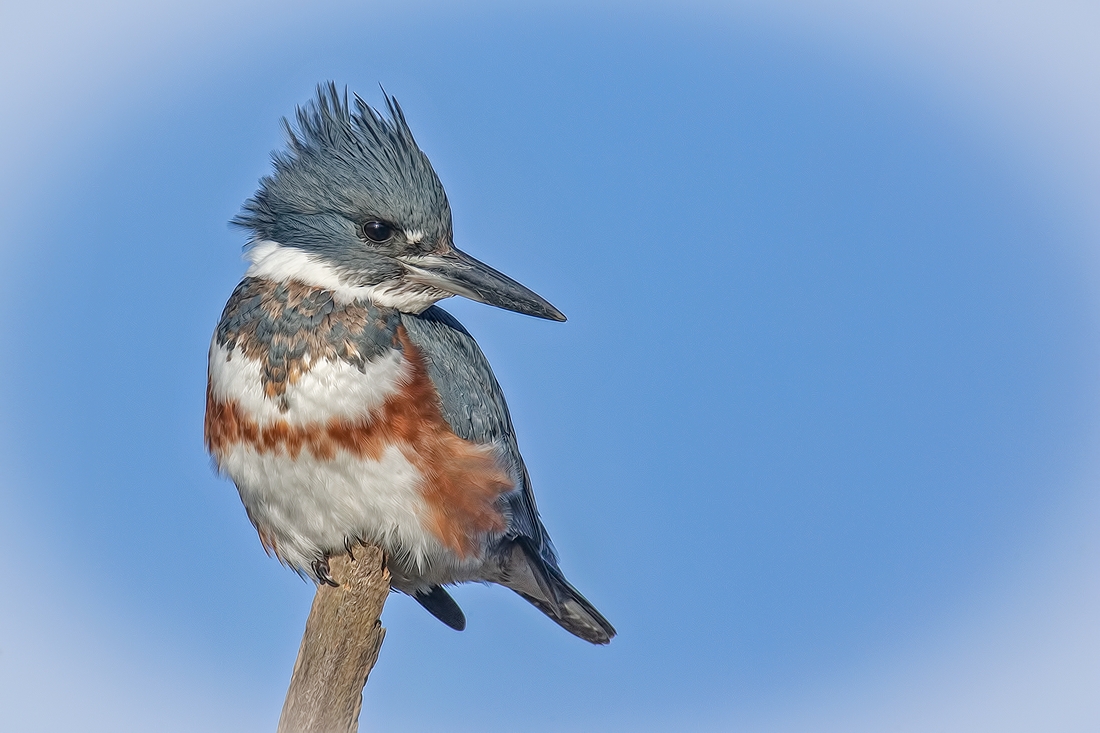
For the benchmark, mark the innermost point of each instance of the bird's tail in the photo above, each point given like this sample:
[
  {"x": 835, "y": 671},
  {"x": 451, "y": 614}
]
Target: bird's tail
[{"x": 543, "y": 585}]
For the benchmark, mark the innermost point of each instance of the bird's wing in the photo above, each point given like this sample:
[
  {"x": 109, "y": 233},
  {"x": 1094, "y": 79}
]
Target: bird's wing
[{"x": 473, "y": 405}]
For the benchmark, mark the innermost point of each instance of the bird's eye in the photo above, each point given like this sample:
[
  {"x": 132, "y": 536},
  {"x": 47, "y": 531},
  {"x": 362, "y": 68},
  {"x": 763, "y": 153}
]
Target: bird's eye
[{"x": 377, "y": 231}]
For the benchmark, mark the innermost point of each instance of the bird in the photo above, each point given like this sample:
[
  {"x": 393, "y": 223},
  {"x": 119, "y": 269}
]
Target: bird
[{"x": 345, "y": 405}]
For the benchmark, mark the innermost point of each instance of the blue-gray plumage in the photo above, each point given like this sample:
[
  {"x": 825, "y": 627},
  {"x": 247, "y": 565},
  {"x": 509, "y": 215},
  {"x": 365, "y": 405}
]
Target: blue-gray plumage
[
  {"x": 473, "y": 405},
  {"x": 346, "y": 406}
]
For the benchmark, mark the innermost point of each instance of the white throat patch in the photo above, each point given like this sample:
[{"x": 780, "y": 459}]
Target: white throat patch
[{"x": 279, "y": 263}]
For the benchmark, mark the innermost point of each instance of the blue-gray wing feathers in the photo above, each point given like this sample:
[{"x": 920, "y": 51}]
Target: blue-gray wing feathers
[{"x": 473, "y": 405}]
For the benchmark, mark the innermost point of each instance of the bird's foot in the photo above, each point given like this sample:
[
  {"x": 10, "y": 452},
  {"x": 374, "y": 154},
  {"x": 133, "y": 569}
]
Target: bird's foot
[{"x": 321, "y": 572}]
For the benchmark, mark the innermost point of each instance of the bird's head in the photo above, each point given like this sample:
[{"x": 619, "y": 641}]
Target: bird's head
[{"x": 354, "y": 204}]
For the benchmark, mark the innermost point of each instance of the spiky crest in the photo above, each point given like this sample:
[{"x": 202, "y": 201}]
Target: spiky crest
[{"x": 357, "y": 164}]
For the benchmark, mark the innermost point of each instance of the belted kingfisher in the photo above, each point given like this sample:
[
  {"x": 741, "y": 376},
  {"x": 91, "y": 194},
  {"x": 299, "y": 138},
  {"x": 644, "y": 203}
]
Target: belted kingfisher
[{"x": 346, "y": 406}]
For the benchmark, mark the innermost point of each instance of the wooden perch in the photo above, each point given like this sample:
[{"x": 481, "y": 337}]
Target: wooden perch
[{"x": 339, "y": 648}]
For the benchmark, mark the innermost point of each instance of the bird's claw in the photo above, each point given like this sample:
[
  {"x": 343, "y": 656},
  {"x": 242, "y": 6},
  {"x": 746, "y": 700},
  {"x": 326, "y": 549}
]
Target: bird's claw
[{"x": 322, "y": 573}]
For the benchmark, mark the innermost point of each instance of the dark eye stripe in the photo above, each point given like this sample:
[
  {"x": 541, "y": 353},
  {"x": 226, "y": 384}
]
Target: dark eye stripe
[{"x": 377, "y": 231}]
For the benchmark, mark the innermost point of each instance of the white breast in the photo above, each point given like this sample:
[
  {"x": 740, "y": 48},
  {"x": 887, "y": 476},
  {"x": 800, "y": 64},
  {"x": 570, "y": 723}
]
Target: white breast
[
  {"x": 328, "y": 389},
  {"x": 307, "y": 506}
]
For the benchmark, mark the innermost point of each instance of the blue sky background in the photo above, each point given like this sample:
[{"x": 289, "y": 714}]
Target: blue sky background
[{"x": 819, "y": 436}]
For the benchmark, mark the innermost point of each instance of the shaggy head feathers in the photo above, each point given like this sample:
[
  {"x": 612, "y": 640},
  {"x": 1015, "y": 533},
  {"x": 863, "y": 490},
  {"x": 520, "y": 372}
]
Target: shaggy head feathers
[{"x": 357, "y": 166}]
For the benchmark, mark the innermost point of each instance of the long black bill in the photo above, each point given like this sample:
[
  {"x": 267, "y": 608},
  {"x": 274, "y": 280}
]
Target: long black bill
[{"x": 459, "y": 273}]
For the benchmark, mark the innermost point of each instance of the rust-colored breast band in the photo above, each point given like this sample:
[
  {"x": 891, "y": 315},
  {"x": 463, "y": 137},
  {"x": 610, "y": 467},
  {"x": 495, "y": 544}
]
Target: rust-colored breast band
[{"x": 461, "y": 481}]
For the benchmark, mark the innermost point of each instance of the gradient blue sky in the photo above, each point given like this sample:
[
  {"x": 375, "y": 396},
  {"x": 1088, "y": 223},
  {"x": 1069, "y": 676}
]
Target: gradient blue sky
[{"x": 819, "y": 436}]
